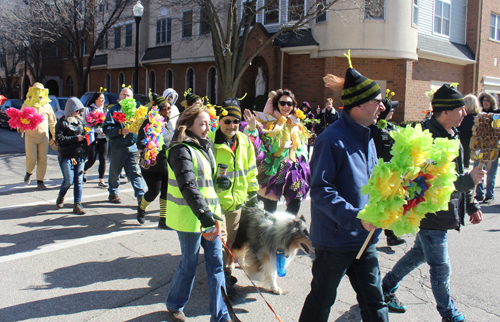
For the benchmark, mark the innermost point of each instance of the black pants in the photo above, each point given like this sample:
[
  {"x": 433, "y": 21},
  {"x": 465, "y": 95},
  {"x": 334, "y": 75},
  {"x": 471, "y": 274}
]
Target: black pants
[
  {"x": 270, "y": 205},
  {"x": 157, "y": 183},
  {"x": 100, "y": 146}
]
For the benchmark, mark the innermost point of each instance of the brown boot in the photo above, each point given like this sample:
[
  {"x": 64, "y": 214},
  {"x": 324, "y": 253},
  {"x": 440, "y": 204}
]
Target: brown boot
[
  {"x": 78, "y": 209},
  {"x": 60, "y": 201}
]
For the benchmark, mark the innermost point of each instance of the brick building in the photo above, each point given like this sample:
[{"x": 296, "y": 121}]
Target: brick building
[{"x": 406, "y": 46}]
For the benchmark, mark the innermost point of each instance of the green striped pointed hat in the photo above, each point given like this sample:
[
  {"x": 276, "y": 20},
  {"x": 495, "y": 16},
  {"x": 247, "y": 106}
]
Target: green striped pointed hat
[
  {"x": 358, "y": 89},
  {"x": 447, "y": 98}
]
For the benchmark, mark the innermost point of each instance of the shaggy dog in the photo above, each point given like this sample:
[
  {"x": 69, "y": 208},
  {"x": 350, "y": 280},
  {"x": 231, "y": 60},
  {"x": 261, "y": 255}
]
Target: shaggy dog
[{"x": 260, "y": 235}]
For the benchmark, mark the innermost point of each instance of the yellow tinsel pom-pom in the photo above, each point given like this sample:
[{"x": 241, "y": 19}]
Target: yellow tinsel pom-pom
[
  {"x": 224, "y": 113},
  {"x": 392, "y": 94},
  {"x": 300, "y": 114}
]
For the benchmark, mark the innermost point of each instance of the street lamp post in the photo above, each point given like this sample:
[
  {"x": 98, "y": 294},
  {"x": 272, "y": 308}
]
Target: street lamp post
[
  {"x": 138, "y": 12},
  {"x": 24, "y": 89}
]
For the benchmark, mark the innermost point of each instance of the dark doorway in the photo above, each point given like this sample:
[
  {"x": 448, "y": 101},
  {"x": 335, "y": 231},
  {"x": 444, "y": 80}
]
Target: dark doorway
[{"x": 53, "y": 87}]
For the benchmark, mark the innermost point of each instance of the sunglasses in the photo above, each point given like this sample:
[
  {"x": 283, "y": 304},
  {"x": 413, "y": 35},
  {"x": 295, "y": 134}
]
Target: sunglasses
[
  {"x": 227, "y": 122},
  {"x": 283, "y": 103}
]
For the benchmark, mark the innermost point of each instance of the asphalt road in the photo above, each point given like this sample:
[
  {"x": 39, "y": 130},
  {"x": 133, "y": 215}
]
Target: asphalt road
[{"x": 104, "y": 266}]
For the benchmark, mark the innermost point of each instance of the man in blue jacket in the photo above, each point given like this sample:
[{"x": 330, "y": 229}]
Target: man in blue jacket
[
  {"x": 343, "y": 160},
  {"x": 122, "y": 154}
]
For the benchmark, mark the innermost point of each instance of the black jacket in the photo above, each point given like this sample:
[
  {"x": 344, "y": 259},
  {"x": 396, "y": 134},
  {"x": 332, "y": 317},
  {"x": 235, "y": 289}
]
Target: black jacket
[
  {"x": 384, "y": 142},
  {"x": 326, "y": 118},
  {"x": 460, "y": 198},
  {"x": 67, "y": 140},
  {"x": 161, "y": 165},
  {"x": 180, "y": 161}
]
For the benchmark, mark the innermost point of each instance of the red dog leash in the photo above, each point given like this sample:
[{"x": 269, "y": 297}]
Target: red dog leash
[{"x": 269, "y": 305}]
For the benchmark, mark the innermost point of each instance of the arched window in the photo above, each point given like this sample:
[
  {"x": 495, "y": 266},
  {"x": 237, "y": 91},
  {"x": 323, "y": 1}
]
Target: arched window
[
  {"x": 107, "y": 82},
  {"x": 69, "y": 86},
  {"x": 190, "y": 80},
  {"x": 152, "y": 81},
  {"x": 133, "y": 84},
  {"x": 169, "y": 79},
  {"x": 121, "y": 80},
  {"x": 212, "y": 85}
]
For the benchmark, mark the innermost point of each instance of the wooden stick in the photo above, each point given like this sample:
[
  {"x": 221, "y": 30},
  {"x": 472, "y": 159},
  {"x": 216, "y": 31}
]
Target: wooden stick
[
  {"x": 479, "y": 166},
  {"x": 361, "y": 251}
]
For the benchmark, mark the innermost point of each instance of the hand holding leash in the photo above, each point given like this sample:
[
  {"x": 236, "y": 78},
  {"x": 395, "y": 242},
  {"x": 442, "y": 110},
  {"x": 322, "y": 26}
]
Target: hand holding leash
[{"x": 208, "y": 218}]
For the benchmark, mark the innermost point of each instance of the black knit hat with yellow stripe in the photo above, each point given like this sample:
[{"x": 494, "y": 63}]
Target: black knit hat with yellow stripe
[
  {"x": 447, "y": 98},
  {"x": 231, "y": 107},
  {"x": 356, "y": 88}
]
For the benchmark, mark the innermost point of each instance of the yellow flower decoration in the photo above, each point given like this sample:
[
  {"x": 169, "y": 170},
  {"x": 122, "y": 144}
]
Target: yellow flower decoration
[{"x": 300, "y": 114}]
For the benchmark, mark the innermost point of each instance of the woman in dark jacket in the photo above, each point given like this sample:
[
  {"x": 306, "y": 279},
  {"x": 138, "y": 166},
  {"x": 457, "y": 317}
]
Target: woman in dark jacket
[
  {"x": 192, "y": 202},
  {"x": 155, "y": 173},
  {"x": 465, "y": 129},
  {"x": 70, "y": 137}
]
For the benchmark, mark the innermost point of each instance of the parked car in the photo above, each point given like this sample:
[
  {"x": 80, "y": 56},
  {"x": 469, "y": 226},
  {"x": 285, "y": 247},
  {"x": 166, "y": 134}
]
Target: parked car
[
  {"x": 113, "y": 98},
  {"x": 4, "y": 118},
  {"x": 56, "y": 106}
]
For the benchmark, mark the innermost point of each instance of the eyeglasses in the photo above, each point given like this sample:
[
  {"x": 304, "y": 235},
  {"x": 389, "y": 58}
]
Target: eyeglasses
[
  {"x": 227, "y": 122},
  {"x": 283, "y": 103}
]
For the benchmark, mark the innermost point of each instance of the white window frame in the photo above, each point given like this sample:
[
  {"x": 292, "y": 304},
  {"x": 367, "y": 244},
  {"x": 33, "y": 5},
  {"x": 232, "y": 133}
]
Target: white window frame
[
  {"x": 168, "y": 35},
  {"x": 122, "y": 82},
  {"x": 434, "y": 16},
  {"x": 496, "y": 27},
  {"x": 288, "y": 10},
  {"x": 279, "y": 16},
  {"x": 153, "y": 88},
  {"x": 323, "y": 3},
  {"x": 415, "y": 12},
  {"x": 192, "y": 23}
]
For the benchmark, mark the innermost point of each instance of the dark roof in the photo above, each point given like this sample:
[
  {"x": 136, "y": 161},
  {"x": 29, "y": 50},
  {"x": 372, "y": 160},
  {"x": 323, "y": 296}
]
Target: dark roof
[
  {"x": 444, "y": 48},
  {"x": 296, "y": 38},
  {"x": 154, "y": 53},
  {"x": 100, "y": 60}
]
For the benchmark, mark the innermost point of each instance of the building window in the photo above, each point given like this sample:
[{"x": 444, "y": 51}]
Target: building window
[
  {"x": 104, "y": 42},
  {"x": 190, "y": 80},
  {"x": 212, "y": 85},
  {"x": 442, "y": 17},
  {"x": 187, "y": 24},
  {"x": 272, "y": 13},
  {"x": 118, "y": 33},
  {"x": 128, "y": 35},
  {"x": 69, "y": 86},
  {"x": 169, "y": 79},
  {"x": 121, "y": 81},
  {"x": 295, "y": 10},
  {"x": 322, "y": 10},
  {"x": 204, "y": 23},
  {"x": 152, "y": 81},
  {"x": 103, "y": 5},
  {"x": 374, "y": 9},
  {"x": 415, "y": 12},
  {"x": 107, "y": 82},
  {"x": 163, "y": 30},
  {"x": 495, "y": 27},
  {"x": 84, "y": 47}
]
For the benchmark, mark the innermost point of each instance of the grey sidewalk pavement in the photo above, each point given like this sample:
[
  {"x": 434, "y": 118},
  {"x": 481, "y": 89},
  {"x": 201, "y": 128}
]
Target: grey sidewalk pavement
[{"x": 104, "y": 266}]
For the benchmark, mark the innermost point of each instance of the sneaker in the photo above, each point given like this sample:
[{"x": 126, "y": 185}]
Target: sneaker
[
  {"x": 41, "y": 185},
  {"x": 101, "y": 184},
  {"x": 392, "y": 301},
  {"x": 488, "y": 201},
  {"x": 395, "y": 241},
  {"x": 141, "y": 214},
  {"x": 27, "y": 179},
  {"x": 457, "y": 318},
  {"x": 230, "y": 279},
  {"x": 479, "y": 198},
  {"x": 78, "y": 209},
  {"x": 177, "y": 316},
  {"x": 60, "y": 201},
  {"x": 114, "y": 199}
]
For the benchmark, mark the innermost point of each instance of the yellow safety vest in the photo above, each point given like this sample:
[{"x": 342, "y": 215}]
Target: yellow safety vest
[{"x": 179, "y": 214}]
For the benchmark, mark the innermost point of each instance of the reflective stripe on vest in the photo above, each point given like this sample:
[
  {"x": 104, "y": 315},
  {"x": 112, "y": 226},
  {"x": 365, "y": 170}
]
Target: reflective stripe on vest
[{"x": 179, "y": 215}]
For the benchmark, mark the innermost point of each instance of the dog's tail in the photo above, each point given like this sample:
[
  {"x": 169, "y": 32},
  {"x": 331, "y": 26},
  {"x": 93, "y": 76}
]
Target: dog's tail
[{"x": 229, "y": 306}]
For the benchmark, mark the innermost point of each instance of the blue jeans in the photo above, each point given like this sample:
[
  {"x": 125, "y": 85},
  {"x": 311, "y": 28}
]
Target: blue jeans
[
  {"x": 72, "y": 174},
  {"x": 182, "y": 282},
  {"x": 490, "y": 181},
  {"x": 329, "y": 268},
  {"x": 431, "y": 246},
  {"x": 124, "y": 157}
]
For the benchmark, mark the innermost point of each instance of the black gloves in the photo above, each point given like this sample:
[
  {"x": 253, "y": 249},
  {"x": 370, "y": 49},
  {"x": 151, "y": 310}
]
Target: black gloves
[
  {"x": 223, "y": 182},
  {"x": 252, "y": 200},
  {"x": 208, "y": 218}
]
